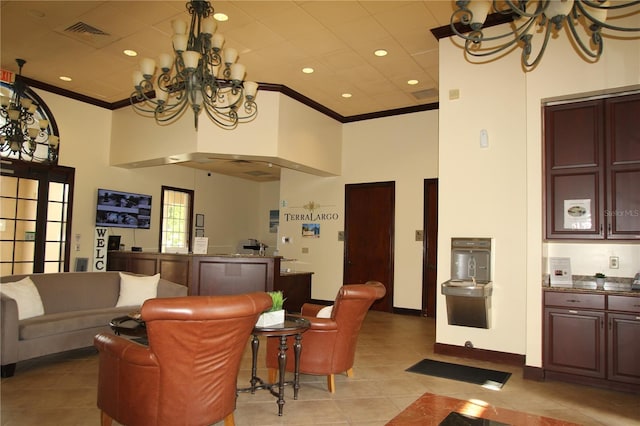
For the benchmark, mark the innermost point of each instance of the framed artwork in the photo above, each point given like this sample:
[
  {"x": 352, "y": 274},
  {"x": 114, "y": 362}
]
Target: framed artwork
[
  {"x": 200, "y": 232},
  {"x": 199, "y": 221}
]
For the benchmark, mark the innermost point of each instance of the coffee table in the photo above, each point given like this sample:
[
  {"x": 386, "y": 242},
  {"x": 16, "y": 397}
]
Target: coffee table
[
  {"x": 292, "y": 326},
  {"x": 129, "y": 325}
]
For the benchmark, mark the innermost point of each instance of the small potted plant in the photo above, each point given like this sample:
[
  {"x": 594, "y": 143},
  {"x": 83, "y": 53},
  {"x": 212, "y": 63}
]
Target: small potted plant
[
  {"x": 600, "y": 280},
  {"x": 274, "y": 315}
]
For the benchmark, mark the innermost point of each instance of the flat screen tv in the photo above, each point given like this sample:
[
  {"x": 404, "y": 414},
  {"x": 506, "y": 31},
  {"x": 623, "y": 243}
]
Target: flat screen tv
[{"x": 123, "y": 209}]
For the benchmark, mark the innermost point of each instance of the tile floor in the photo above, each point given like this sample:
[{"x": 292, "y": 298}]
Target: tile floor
[{"x": 60, "y": 390}]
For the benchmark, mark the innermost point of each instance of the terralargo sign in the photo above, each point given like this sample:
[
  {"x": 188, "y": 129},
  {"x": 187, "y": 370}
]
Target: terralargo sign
[
  {"x": 313, "y": 217},
  {"x": 310, "y": 215}
]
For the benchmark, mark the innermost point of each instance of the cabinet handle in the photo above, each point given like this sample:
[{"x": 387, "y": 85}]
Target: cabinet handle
[
  {"x": 610, "y": 323},
  {"x": 601, "y": 229},
  {"x": 573, "y": 301},
  {"x": 573, "y": 312},
  {"x": 609, "y": 229}
]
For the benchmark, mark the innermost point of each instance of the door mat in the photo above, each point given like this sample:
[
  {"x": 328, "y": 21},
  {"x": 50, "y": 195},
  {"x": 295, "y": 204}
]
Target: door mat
[{"x": 464, "y": 373}]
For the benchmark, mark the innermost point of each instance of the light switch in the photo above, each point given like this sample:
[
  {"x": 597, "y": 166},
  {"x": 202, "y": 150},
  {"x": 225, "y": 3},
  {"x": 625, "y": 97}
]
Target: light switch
[{"x": 419, "y": 235}]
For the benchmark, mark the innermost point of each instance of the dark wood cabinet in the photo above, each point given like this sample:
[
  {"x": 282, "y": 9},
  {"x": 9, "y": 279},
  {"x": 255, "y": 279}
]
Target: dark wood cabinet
[
  {"x": 296, "y": 288},
  {"x": 172, "y": 267},
  {"x": 592, "y": 169},
  {"x": 623, "y": 318},
  {"x": 592, "y": 339},
  {"x": 203, "y": 274},
  {"x": 574, "y": 337}
]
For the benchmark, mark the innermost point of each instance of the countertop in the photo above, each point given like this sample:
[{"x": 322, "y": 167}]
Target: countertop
[{"x": 587, "y": 284}]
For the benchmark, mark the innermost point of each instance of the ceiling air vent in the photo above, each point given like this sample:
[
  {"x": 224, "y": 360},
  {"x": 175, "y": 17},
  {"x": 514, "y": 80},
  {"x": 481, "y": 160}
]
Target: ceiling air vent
[
  {"x": 82, "y": 28},
  {"x": 425, "y": 94}
]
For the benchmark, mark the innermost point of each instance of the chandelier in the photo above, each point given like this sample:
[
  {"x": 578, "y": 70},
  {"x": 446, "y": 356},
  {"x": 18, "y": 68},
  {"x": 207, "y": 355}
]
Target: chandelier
[
  {"x": 24, "y": 132},
  {"x": 549, "y": 15},
  {"x": 206, "y": 76}
]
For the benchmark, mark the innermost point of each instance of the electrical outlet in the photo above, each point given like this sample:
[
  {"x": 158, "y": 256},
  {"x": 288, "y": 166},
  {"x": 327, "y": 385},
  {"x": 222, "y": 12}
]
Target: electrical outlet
[
  {"x": 614, "y": 262},
  {"x": 305, "y": 250},
  {"x": 419, "y": 235}
]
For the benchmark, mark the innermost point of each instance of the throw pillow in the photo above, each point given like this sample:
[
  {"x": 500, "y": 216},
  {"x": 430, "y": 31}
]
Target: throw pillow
[
  {"x": 134, "y": 290},
  {"x": 26, "y": 295},
  {"x": 325, "y": 312}
]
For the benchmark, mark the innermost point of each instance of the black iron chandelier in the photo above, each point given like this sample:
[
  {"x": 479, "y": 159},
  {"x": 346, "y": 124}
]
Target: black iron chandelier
[
  {"x": 25, "y": 133},
  {"x": 206, "y": 76},
  {"x": 550, "y": 16}
]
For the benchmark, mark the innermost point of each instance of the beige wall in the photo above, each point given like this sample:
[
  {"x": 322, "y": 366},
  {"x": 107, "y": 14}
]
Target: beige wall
[
  {"x": 402, "y": 149},
  {"x": 498, "y": 96},
  {"x": 85, "y": 145}
]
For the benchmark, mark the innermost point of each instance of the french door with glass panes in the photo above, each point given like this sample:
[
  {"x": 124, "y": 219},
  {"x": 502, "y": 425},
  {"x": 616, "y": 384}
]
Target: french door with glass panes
[{"x": 35, "y": 217}]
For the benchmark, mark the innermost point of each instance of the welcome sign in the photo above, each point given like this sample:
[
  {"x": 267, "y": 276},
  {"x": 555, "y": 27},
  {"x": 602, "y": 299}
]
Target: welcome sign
[{"x": 100, "y": 250}]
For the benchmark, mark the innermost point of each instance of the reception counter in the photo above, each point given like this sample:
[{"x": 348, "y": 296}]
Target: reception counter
[{"x": 218, "y": 274}]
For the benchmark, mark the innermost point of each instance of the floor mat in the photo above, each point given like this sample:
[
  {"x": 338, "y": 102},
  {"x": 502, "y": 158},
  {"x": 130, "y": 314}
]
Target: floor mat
[{"x": 464, "y": 373}]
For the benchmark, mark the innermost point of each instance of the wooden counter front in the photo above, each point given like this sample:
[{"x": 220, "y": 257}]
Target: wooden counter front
[
  {"x": 203, "y": 274},
  {"x": 216, "y": 275}
]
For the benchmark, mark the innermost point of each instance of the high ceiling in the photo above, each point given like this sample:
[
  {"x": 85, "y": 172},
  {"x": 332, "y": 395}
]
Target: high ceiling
[{"x": 275, "y": 40}]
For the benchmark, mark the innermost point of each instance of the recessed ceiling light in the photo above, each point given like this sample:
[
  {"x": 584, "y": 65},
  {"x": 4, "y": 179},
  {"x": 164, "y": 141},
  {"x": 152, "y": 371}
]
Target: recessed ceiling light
[
  {"x": 130, "y": 52},
  {"x": 307, "y": 70},
  {"x": 380, "y": 52},
  {"x": 412, "y": 82},
  {"x": 65, "y": 78},
  {"x": 221, "y": 17},
  {"x": 346, "y": 95}
]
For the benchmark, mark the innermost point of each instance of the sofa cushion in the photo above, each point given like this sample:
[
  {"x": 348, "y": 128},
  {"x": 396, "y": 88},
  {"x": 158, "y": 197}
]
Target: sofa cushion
[
  {"x": 27, "y": 297},
  {"x": 134, "y": 290},
  {"x": 64, "y": 322}
]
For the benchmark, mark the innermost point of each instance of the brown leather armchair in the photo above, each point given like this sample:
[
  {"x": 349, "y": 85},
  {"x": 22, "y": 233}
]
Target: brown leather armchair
[
  {"x": 187, "y": 374},
  {"x": 329, "y": 345}
]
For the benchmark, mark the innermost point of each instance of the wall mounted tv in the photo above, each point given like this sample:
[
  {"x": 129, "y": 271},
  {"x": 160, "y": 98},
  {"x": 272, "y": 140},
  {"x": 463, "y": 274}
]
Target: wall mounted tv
[{"x": 123, "y": 209}]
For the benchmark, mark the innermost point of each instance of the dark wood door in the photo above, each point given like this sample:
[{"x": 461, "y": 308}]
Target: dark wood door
[
  {"x": 430, "y": 249},
  {"x": 369, "y": 234}
]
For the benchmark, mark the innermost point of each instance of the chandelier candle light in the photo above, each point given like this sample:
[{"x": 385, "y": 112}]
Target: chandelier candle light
[
  {"x": 22, "y": 132},
  {"x": 550, "y": 15},
  {"x": 206, "y": 77}
]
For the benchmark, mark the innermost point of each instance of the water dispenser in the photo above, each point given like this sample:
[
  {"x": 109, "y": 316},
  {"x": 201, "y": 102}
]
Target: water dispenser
[{"x": 468, "y": 292}]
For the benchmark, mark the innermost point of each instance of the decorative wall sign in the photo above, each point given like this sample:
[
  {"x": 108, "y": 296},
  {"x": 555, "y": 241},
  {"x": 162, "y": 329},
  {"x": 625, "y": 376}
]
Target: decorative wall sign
[
  {"x": 100, "y": 250},
  {"x": 311, "y": 230},
  {"x": 311, "y": 215}
]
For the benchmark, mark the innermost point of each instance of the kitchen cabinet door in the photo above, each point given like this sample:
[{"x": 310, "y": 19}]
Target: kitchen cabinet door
[
  {"x": 574, "y": 163},
  {"x": 592, "y": 169},
  {"x": 624, "y": 347},
  {"x": 574, "y": 342},
  {"x": 623, "y": 167}
]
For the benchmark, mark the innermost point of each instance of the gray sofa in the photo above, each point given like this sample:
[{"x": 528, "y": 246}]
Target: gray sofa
[{"x": 77, "y": 306}]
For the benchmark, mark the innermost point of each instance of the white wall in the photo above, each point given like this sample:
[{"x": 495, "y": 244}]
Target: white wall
[
  {"x": 401, "y": 149},
  {"x": 500, "y": 97}
]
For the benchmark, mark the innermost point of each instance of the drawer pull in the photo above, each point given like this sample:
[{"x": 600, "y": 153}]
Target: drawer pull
[
  {"x": 573, "y": 301},
  {"x": 573, "y": 312},
  {"x": 638, "y": 318}
]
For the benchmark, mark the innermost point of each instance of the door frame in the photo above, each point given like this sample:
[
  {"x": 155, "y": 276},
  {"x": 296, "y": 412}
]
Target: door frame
[{"x": 430, "y": 248}]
